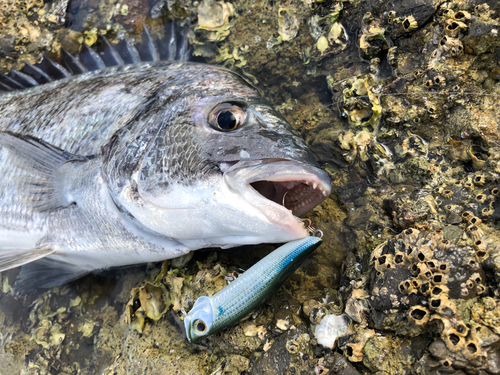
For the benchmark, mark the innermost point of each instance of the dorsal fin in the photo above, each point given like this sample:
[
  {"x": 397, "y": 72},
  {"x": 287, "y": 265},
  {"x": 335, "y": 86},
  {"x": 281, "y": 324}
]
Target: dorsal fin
[
  {"x": 34, "y": 71},
  {"x": 54, "y": 69},
  {"x": 4, "y": 87},
  {"x": 109, "y": 54},
  {"x": 23, "y": 79},
  {"x": 91, "y": 58},
  {"x": 147, "y": 47},
  {"x": 174, "y": 46},
  {"x": 72, "y": 63},
  {"x": 9, "y": 82},
  {"x": 128, "y": 52}
]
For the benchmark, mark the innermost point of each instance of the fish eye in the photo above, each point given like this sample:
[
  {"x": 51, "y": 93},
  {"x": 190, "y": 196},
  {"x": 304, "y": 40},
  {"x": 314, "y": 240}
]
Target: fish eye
[
  {"x": 227, "y": 117},
  {"x": 201, "y": 326}
]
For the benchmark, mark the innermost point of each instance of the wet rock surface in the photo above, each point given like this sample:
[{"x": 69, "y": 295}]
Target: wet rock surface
[{"x": 399, "y": 103}]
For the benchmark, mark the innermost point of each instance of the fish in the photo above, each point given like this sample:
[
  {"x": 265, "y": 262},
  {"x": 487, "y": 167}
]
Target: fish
[
  {"x": 209, "y": 315},
  {"x": 119, "y": 158}
]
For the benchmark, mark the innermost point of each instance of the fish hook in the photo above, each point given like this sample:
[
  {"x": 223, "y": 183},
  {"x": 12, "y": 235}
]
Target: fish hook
[
  {"x": 284, "y": 195},
  {"x": 313, "y": 231}
]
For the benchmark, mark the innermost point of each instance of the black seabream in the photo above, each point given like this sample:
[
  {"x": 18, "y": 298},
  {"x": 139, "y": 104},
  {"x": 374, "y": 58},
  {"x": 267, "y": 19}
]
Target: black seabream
[{"x": 142, "y": 161}]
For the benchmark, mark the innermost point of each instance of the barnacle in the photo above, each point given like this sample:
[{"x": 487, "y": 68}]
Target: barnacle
[
  {"x": 482, "y": 255},
  {"x": 438, "y": 279},
  {"x": 466, "y": 215},
  {"x": 479, "y": 180},
  {"x": 400, "y": 259},
  {"x": 418, "y": 73},
  {"x": 475, "y": 232},
  {"x": 453, "y": 341},
  {"x": 452, "y": 45},
  {"x": 474, "y": 220},
  {"x": 443, "y": 244},
  {"x": 411, "y": 254},
  {"x": 447, "y": 193},
  {"x": 462, "y": 16},
  {"x": 439, "y": 290},
  {"x": 480, "y": 289},
  {"x": 454, "y": 27},
  {"x": 473, "y": 349},
  {"x": 480, "y": 245},
  {"x": 405, "y": 287},
  {"x": 424, "y": 253},
  {"x": 439, "y": 80},
  {"x": 469, "y": 185},
  {"x": 410, "y": 235},
  {"x": 446, "y": 363},
  {"x": 384, "y": 262},
  {"x": 418, "y": 315},
  {"x": 487, "y": 211},
  {"x": 410, "y": 24}
]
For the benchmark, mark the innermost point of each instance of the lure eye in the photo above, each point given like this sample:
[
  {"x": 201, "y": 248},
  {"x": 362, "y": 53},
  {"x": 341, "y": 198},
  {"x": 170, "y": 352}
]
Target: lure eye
[
  {"x": 227, "y": 117},
  {"x": 201, "y": 326}
]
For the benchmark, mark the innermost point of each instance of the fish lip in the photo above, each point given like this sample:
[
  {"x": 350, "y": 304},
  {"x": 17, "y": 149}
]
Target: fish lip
[{"x": 282, "y": 189}]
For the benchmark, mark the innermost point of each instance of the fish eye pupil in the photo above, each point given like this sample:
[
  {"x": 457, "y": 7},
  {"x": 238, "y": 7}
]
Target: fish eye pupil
[
  {"x": 201, "y": 327},
  {"x": 226, "y": 120}
]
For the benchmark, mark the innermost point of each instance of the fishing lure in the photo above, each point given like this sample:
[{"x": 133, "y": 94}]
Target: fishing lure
[{"x": 211, "y": 314}]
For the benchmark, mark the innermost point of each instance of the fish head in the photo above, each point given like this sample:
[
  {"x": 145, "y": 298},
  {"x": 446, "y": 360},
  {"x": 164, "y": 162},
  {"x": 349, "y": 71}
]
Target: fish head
[
  {"x": 216, "y": 165},
  {"x": 199, "y": 321}
]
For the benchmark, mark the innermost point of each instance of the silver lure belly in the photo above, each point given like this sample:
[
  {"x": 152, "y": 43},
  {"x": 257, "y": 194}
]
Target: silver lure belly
[{"x": 211, "y": 314}]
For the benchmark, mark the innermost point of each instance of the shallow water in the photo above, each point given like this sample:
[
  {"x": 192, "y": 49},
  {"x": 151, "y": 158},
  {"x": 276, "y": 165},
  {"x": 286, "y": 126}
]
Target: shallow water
[{"x": 395, "y": 128}]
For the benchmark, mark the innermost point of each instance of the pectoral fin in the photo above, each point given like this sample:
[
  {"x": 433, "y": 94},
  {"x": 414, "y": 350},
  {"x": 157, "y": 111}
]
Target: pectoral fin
[
  {"x": 38, "y": 178},
  {"x": 46, "y": 273},
  {"x": 11, "y": 257}
]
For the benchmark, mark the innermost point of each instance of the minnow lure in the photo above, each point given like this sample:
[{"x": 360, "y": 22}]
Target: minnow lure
[{"x": 211, "y": 314}]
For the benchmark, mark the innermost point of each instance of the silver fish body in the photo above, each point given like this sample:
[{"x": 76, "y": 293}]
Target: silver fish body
[
  {"x": 142, "y": 163},
  {"x": 211, "y": 314}
]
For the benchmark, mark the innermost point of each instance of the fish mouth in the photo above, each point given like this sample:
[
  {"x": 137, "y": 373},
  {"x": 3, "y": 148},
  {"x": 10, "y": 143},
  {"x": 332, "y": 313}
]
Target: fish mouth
[
  {"x": 299, "y": 197},
  {"x": 281, "y": 188}
]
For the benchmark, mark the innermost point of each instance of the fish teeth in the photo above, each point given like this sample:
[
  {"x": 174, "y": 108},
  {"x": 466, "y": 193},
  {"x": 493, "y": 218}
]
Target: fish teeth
[{"x": 315, "y": 185}]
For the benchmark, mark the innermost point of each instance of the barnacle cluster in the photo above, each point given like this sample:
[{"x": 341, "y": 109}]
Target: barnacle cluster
[
  {"x": 27, "y": 30},
  {"x": 421, "y": 282}
]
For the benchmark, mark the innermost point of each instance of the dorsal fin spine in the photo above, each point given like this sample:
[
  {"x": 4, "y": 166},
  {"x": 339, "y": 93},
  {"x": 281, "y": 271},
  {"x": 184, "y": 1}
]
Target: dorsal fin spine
[{"x": 175, "y": 47}]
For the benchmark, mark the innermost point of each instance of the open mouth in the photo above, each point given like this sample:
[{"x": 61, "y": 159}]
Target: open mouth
[
  {"x": 297, "y": 196},
  {"x": 276, "y": 183}
]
